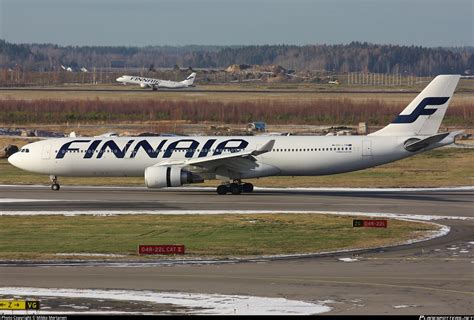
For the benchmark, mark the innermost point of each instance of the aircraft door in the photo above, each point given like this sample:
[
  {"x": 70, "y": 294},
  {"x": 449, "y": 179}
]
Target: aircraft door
[
  {"x": 46, "y": 153},
  {"x": 366, "y": 148}
]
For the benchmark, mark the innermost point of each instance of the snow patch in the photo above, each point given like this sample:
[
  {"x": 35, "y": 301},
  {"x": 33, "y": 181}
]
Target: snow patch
[
  {"x": 405, "y": 306},
  {"x": 200, "y": 303},
  {"x": 348, "y": 259},
  {"x": 242, "y": 212}
]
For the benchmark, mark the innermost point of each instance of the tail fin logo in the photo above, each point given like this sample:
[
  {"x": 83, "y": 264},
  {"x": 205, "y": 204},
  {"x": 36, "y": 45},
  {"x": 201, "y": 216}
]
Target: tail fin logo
[{"x": 420, "y": 109}]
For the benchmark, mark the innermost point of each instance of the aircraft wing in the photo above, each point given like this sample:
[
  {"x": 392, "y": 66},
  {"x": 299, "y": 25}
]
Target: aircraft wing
[{"x": 236, "y": 161}]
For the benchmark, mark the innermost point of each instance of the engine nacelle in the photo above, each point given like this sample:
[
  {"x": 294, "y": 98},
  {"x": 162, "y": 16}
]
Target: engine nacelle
[
  {"x": 173, "y": 176},
  {"x": 143, "y": 85}
]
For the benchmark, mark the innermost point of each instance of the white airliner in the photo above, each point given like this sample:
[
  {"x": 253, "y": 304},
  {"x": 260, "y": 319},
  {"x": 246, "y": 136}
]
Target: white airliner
[
  {"x": 174, "y": 161},
  {"x": 154, "y": 84}
]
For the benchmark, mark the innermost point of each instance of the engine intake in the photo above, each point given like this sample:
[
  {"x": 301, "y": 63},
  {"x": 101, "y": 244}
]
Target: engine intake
[{"x": 173, "y": 176}]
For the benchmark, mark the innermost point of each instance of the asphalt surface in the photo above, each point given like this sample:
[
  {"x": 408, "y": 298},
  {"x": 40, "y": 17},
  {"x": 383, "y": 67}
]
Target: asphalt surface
[
  {"x": 432, "y": 277},
  {"x": 102, "y": 198}
]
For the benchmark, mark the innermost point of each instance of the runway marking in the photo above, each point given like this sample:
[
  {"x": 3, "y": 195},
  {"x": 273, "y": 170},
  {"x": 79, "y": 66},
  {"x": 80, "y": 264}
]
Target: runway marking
[
  {"x": 19, "y": 200},
  {"x": 285, "y": 189},
  {"x": 419, "y": 259}
]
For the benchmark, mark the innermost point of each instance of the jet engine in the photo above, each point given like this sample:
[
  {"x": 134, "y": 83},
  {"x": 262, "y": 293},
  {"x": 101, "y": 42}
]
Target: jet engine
[
  {"x": 143, "y": 85},
  {"x": 172, "y": 176}
]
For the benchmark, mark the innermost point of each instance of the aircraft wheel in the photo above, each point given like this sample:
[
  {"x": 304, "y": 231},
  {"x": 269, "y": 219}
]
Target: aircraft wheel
[
  {"x": 235, "y": 188},
  {"x": 247, "y": 187},
  {"x": 222, "y": 189},
  {"x": 55, "y": 187}
]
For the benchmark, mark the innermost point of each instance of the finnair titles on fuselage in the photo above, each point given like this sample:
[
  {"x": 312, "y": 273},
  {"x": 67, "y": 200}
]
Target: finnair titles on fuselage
[
  {"x": 158, "y": 83},
  {"x": 174, "y": 161}
]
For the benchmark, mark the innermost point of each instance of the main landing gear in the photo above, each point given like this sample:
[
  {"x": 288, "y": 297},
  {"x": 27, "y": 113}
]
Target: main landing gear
[
  {"x": 236, "y": 187},
  {"x": 55, "y": 186}
]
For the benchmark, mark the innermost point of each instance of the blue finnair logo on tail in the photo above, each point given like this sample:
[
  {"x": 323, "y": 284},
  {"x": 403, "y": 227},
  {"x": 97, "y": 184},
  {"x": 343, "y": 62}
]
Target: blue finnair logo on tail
[{"x": 420, "y": 109}]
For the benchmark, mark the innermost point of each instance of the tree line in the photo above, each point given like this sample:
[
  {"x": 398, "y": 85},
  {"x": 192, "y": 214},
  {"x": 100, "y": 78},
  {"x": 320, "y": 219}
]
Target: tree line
[{"x": 352, "y": 57}]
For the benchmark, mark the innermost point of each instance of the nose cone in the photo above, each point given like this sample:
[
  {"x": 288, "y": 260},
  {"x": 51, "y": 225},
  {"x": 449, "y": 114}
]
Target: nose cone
[
  {"x": 14, "y": 159},
  {"x": 119, "y": 79}
]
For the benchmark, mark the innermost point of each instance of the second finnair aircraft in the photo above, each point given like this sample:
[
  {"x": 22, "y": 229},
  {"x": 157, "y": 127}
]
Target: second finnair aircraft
[
  {"x": 174, "y": 161},
  {"x": 154, "y": 84}
]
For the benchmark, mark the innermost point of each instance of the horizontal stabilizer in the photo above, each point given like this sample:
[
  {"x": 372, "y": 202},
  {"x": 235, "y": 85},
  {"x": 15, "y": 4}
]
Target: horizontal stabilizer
[{"x": 416, "y": 144}]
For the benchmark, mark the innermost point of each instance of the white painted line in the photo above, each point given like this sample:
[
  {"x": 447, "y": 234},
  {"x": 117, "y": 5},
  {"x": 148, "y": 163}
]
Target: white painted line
[
  {"x": 15, "y": 200},
  {"x": 466, "y": 188},
  {"x": 104, "y": 255},
  {"x": 286, "y": 189},
  {"x": 200, "y": 303}
]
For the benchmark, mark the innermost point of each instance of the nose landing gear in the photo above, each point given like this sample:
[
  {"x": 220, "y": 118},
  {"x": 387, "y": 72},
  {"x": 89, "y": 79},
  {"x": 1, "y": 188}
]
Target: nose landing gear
[
  {"x": 55, "y": 186},
  {"x": 236, "y": 187}
]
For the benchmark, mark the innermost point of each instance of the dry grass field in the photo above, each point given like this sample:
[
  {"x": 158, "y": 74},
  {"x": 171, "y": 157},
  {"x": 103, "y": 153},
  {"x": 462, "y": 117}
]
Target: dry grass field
[{"x": 223, "y": 236}]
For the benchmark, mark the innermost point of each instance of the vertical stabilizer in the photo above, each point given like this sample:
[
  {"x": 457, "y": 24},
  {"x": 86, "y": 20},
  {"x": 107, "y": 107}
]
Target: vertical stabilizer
[
  {"x": 190, "y": 79},
  {"x": 424, "y": 114}
]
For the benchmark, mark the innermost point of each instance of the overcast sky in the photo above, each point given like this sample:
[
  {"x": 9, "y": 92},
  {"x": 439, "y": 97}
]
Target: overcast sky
[{"x": 237, "y": 22}]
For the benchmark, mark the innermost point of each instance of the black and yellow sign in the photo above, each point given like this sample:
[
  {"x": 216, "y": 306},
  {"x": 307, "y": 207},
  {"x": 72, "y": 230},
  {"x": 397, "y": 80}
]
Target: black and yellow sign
[{"x": 19, "y": 305}]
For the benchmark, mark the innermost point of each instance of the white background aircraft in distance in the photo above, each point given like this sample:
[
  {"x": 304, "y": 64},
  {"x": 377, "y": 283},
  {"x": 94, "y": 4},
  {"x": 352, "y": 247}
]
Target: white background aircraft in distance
[
  {"x": 174, "y": 161},
  {"x": 155, "y": 84}
]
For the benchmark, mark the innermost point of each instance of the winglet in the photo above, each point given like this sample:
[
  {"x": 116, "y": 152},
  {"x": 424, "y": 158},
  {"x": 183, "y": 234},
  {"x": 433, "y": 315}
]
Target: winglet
[{"x": 267, "y": 147}]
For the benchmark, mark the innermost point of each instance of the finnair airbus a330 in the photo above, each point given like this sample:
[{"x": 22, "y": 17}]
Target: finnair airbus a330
[
  {"x": 174, "y": 161},
  {"x": 154, "y": 84}
]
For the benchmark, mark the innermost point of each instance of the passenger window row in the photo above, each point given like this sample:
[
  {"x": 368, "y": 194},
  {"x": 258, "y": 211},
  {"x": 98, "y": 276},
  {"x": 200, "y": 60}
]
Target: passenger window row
[{"x": 211, "y": 150}]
